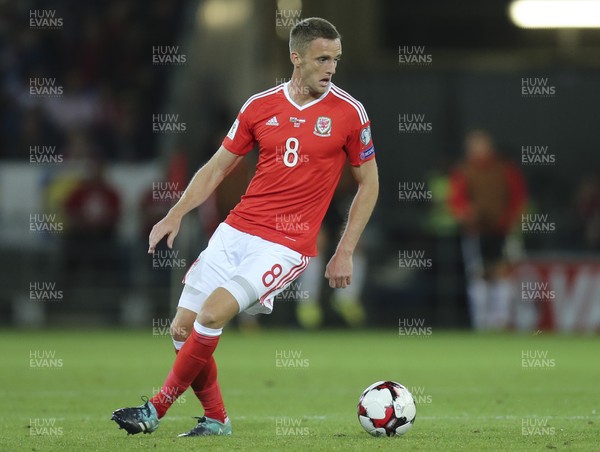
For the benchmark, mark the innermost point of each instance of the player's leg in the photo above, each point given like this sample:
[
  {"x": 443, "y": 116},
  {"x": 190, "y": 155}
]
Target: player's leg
[
  {"x": 205, "y": 385},
  {"x": 216, "y": 311},
  {"x": 477, "y": 286},
  {"x": 265, "y": 271},
  {"x": 213, "y": 267},
  {"x": 195, "y": 362},
  {"x": 500, "y": 287},
  {"x": 194, "y": 357},
  {"x": 181, "y": 325},
  {"x": 209, "y": 271}
]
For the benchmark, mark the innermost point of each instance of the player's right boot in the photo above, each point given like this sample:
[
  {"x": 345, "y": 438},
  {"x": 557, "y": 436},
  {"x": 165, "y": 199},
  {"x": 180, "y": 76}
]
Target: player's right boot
[
  {"x": 208, "y": 427},
  {"x": 143, "y": 418}
]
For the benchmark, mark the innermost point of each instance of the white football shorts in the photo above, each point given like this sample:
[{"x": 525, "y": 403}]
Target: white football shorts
[{"x": 252, "y": 269}]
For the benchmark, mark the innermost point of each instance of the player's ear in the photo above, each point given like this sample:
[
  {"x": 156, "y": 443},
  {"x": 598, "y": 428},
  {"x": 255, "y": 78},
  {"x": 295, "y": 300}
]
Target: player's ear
[{"x": 295, "y": 58}]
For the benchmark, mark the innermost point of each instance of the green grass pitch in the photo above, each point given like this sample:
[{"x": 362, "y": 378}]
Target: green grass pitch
[{"x": 474, "y": 391}]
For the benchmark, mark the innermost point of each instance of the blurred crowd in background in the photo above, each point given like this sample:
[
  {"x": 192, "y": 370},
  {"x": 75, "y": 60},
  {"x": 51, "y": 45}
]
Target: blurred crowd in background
[{"x": 101, "y": 62}]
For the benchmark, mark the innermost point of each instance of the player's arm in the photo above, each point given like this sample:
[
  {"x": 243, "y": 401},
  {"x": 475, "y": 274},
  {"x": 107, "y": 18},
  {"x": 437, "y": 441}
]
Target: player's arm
[
  {"x": 458, "y": 199},
  {"x": 339, "y": 268},
  {"x": 204, "y": 182}
]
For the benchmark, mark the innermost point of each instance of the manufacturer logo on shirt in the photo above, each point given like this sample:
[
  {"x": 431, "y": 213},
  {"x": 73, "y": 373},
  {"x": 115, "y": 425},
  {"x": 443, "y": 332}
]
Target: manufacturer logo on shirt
[
  {"x": 273, "y": 121},
  {"x": 323, "y": 126}
]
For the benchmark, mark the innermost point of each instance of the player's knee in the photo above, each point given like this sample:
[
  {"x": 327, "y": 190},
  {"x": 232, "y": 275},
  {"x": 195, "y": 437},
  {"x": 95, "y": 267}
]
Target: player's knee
[
  {"x": 219, "y": 308},
  {"x": 210, "y": 318},
  {"x": 180, "y": 330}
]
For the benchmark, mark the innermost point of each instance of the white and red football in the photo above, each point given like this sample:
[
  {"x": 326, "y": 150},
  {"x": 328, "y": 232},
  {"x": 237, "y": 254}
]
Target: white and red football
[{"x": 386, "y": 408}]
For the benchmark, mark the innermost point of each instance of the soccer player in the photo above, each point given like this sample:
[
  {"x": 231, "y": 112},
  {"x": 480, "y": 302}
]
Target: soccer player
[
  {"x": 487, "y": 195},
  {"x": 306, "y": 129}
]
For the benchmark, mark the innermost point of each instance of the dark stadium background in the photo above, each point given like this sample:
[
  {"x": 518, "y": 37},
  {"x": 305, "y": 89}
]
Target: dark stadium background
[{"x": 114, "y": 89}]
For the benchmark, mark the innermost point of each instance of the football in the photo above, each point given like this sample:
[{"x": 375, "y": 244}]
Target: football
[{"x": 386, "y": 408}]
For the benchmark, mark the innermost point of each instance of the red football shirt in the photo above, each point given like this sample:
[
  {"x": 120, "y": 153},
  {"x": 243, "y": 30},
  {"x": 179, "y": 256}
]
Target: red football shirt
[{"x": 302, "y": 151}]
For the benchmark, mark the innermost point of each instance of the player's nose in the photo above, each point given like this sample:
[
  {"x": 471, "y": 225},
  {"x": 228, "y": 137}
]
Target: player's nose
[{"x": 331, "y": 68}]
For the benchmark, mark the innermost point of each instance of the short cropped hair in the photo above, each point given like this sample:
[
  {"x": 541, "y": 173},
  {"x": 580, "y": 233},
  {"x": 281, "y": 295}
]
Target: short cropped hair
[{"x": 307, "y": 30}]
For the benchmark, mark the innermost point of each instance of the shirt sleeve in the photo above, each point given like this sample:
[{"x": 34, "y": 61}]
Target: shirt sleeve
[
  {"x": 359, "y": 144},
  {"x": 240, "y": 139}
]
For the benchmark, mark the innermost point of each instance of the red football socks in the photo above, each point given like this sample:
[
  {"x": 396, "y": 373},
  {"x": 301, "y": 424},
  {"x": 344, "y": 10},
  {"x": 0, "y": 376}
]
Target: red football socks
[
  {"x": 189, "y": 363},
  {"x": 206, "y": 387},
  {"x": 209, "y": 393}
]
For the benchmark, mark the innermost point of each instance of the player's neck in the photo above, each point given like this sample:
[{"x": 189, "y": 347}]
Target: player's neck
[{"x": 299, "y": 92}]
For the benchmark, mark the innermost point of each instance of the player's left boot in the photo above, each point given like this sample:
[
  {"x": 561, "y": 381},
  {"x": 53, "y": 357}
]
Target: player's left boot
[
  {"x": 137, "y": 419},
  {"x": 208, "y": 426}
]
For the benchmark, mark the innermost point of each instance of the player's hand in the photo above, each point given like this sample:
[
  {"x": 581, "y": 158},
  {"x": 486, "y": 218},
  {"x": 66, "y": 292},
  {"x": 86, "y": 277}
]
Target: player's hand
[
  {"x": 339, "y": 270},
  {"x": 168, "y": 226}
]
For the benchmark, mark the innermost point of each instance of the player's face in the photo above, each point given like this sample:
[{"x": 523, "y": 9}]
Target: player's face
[
  {"x": 479, "y": 146},
  {"x": 318, "y": 63}
]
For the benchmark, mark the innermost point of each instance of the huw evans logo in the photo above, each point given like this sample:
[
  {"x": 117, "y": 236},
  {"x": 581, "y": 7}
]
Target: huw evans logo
[
  {"x": 287, "y": 426},
  {"x": 168, "y": 394},
  {"x": 414, "y": 56},
  {"x": 44, "y": 291},
  {"x": 290, "y": 222},
  {"x": 536, "y": 359},
  {"x": 166, "y": 191},
  {"x": 537, "y": 291},
  {"x": 413, "y": 123},
  {"x": 291, "y": 154},
  {"x": 537, "y": 155},
  {"x": 414, "y": 191},
  {"x": 536, "y": 426},
  {"x": 164, "y": 327},
  {"x": 294, "y": 86},
  {"x": 536, "y": 222},
  {"x": 287, "y": 18},
  {"x": 167, "y": 123},
  {"x": 168, "y": 259},
  {"x": 413, "y": 327},
  {"x": 537, "y": 87},
  {"x": 45, "y": 222},
  {"x": 293, "y": 292},
  {"x": 44, "y": 87},
  {"x": 167, "y": 55},
  {"x": 44, "y": 19},
  {"x": 44, "y": 427},
  {"x": 413, "y": 259},
  {"x": 46, "y": 359},
  {"x": 419, "y": 395},
  {"x": 290, "y": 359},
  {"x": 44, "y": 155}
]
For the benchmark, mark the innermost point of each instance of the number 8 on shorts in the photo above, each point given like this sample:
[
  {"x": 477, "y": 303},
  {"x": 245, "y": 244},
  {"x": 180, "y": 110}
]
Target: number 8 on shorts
[{"x": 270, "y": 276}]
